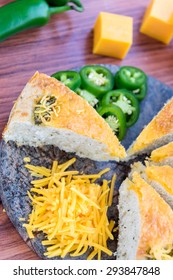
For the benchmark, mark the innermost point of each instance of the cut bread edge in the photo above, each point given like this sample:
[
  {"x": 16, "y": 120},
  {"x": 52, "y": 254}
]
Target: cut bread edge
[
  {"x": 141, "y": 169},
  {"x": 72, "y": 137},
  {"x": 137, "y": 227},
  {"x": 158, "y": 132},
  {"x": 129, "y": 223}
]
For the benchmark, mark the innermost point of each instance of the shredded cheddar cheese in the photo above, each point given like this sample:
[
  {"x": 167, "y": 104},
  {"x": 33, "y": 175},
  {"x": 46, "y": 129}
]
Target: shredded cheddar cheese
[
  {"x": 45, "y": 108},
  {"x": 160, "y": 253},
  {"x": 71, "y": 210},
  {"x": 26, "y": 159}
]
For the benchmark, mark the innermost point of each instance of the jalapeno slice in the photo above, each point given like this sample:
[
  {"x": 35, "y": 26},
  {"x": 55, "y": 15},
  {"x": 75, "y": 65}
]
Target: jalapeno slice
[
  {"x": 97, "y": 79},
  {"x": 116, "y": 119},
  {"x": 141, "y": 92},
  {"x": 126, "y": 101},
  {"x": 88, "y": 96},
  {"x": 130, "y": 78},
  {"x": 71, "y": 79}
]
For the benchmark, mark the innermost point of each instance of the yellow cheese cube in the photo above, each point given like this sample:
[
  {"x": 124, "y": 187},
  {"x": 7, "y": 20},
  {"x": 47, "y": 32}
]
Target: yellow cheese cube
[
  {"x": 113, "y": 35},
  {"x": 156, "y": 22},
  {"x": 171, "y": 19}
]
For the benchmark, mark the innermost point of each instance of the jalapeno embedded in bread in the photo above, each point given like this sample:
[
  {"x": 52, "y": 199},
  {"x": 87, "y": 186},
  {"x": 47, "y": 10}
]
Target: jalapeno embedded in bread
[
  {"x": 126, "y": 101},
  {"x": 44, "y": 109},
  {"x": 97, "y": 79}
]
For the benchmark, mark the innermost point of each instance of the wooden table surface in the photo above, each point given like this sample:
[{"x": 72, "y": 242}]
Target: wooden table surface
[{"x": 64, "y": 43}]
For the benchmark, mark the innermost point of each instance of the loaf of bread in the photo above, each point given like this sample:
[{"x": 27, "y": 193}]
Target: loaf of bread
[
  {"x": 145, "y": 222},
  {"x": 49, "y": 113},
  {"x": 157, "y": 133}
]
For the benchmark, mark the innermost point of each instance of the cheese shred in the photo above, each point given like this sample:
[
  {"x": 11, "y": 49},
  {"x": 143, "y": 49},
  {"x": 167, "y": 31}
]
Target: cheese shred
[
  {"x": 71, "y": 210},
  {"x": 161, "y": 253}
]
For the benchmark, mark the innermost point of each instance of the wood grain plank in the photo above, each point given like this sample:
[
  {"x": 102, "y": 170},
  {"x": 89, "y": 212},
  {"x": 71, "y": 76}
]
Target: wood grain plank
[
  {"x": 64, "y": 43},
  {"x": 11, "y": 244}
]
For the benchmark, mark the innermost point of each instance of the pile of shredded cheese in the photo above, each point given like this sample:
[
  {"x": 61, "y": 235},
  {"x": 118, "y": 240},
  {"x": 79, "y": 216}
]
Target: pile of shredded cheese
[{"x": 71, "y": 210}]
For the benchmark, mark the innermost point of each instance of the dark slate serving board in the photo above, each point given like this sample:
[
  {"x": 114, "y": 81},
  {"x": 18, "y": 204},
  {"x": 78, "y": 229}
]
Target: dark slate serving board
[{"x": 15, "y": 179}]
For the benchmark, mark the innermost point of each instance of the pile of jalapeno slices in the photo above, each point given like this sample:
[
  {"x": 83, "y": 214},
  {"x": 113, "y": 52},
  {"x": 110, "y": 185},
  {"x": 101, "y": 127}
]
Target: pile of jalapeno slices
[{"x": 115, "y": 97}]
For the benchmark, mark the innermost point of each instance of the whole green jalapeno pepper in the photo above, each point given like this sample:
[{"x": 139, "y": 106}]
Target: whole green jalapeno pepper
[
  {"x": 126, "y": 101},
  {"x": 97, "y": 79},
  {"x": 78, "y": 5},
  {"x": 57, "y": 2},
  {"x": 115, "y": 117},
  {"x": 23, "y": 14},
  {"x": 71, "y": 79}
]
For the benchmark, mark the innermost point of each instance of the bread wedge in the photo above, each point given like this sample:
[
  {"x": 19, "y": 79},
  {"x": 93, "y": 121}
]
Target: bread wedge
[
  {"x": 49, "y": 113},
  {"x": 163, "y": 155},
  {"x": 157, "y": 133},
  {"x": 159, "y": 177},
  {"x": 145, "y": 222}
]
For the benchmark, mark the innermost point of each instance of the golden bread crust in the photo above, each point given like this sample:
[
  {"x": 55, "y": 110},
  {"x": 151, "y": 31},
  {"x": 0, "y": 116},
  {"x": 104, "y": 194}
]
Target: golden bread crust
[
  {"x": 162, "y": 175},
  {"x": 74, "y": 112},
  {"x": 161, "y": 125},
  {"x": 162, "y": 153},
  {"x": 156, "y": 217}
]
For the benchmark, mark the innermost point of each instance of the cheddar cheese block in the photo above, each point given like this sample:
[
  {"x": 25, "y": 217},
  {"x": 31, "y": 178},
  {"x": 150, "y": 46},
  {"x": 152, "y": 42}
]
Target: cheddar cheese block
[
  {"x": 145, "y": 222},
  {"x": 157, "y": 22},
  {"x": 113, "y": 35},
  {"x": 157, "y": 133},
  {"x": 49, "y": 113}
]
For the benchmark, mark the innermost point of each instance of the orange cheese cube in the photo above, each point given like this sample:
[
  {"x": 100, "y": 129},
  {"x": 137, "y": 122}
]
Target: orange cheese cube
[
  {"x": 113, "y": 35},
  {"x": 171, "y": 19},
  {"x": 157, "y": 20}
]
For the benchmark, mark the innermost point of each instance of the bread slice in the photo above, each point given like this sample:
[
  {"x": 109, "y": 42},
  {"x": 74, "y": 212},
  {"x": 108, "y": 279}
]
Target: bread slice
[
  {"x": 49, "y": 113},
  {"x": 145, "y": 222},
  {"x": 163, "y": 155},
  {"x": 159, "y": 177},
  {"x": 157, "y": 133}
]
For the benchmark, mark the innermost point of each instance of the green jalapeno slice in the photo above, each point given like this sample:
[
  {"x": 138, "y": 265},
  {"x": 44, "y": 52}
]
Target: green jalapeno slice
[
  {"x": 126, "y": 101},
  {"x": 71, "y": 79},
  {"x": 116, "y": 119},
  {"x": 88, "y": 96},
  {"x": 130, "y": 78},
  {"x": 141, "y": 92},
  {"x": 97, "y": 79}
]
